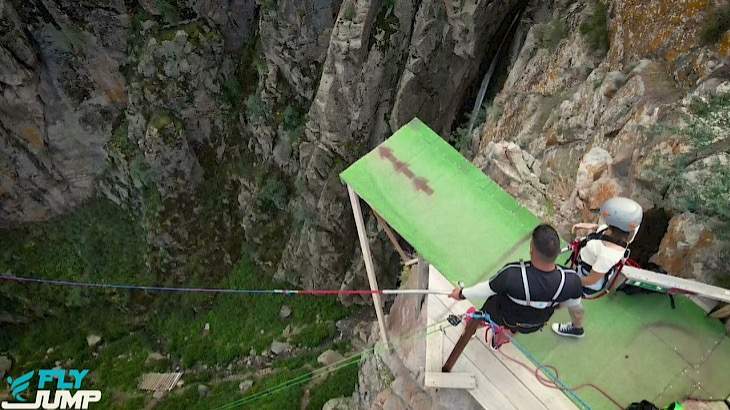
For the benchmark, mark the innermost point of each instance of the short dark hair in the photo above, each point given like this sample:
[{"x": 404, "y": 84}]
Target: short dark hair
[
  {"x": 546, "y": 242},
  {"x": 619, "y": 234}
]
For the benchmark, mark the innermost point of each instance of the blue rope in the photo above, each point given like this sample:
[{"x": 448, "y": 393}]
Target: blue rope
[
  {"x": 148, "y": 288},
  {"x": 483, "y": 316}
]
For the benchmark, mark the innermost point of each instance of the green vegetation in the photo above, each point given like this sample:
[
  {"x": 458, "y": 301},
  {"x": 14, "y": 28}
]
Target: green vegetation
[
  {"x": 461, "y": 137},
  {"x": 168, "y": 10},
  {"x": 101, "y": 242},
  {"x": 273, "y": 194},
  {"x": 293, "y": 121},
  {"x": 256, "y": 108},
  {"x": 315, "y": 334},
  {"x": 349, "y": 13},
  {"x": 715, "y": 25},
  {"x": 549, "y": 35},
  {"x": 339, "y": 383},
  {"x": 119, "y": 142},
  {"x": 595, "y": 28},
  {"x": 707, "y": 132}
]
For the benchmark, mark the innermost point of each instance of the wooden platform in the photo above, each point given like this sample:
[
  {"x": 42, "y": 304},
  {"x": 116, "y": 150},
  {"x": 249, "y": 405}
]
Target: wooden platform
[
  {"x": 493, "y": 380},
  {"x": 638, "y": 276}
]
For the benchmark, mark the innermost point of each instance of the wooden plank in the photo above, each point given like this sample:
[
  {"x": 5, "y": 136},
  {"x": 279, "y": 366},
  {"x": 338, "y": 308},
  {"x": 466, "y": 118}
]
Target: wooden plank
[
  {"x": 434, "y": 342},
  {"x": 505, "y": 375},
  {"x": 159, "y": 381},
  {"x": 673, "y": 282},
  {"x": 368, "y": 259},
  {"x": 721, "y": 313},
  {"x": 485, "y": 363},
  {"x": 450, "y": 380}
]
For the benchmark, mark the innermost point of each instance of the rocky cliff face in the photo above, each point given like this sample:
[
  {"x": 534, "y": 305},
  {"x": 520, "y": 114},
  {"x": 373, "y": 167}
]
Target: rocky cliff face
[
  {"x": 222, "y": 124},
  {"x": 621, "y": 98}
]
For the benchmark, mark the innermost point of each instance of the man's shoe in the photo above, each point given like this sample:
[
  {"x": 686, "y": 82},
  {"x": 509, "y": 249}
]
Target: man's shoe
[{"x": 567, "y": 329}]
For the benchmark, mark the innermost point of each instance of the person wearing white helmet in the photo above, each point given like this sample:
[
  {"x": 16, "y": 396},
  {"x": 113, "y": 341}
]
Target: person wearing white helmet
[{"x": 600, "y": 255}]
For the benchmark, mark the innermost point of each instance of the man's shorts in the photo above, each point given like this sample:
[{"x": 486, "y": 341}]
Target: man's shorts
[{"x": 492, "y": 307}]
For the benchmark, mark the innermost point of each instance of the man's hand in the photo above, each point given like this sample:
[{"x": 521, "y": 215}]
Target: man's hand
[{"x": 455, "y": 294}]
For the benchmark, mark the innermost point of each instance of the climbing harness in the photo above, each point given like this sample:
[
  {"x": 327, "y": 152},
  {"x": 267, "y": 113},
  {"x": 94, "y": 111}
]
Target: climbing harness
[
  {"x": 537, "y": 304},
  {"x": 613, "y": 274},
  {"x": 499, "y": 333}
]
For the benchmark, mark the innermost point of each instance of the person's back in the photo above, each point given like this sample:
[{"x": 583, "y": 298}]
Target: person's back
[
  {"x": 528, "y": 308},
  {"x": 600, "y": 256}
]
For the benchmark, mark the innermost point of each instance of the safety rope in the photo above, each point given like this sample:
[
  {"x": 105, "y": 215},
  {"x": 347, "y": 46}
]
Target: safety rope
[
  {"x": 555, "y": 381},
  {"x": 551, "y": 378},
  {"x": 347, "y": 361},
  {"x": 313, "y": 292}
]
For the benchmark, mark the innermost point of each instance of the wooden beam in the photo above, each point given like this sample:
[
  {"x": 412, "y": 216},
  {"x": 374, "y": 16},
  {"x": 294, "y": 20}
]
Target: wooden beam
[
  {"x": 674, "y": 282},
  {"x": 450, "y": 380},
  {"x": 721, "y": 313},
  {"x": 367, "y": 257},
  {"x": 391, "y": 236}
]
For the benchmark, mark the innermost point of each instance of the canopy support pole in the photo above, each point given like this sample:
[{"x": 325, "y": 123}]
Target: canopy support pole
[{"x": 368, "y": 259}]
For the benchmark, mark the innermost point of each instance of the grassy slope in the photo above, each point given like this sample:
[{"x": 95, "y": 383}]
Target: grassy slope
[{"x": 101, "y": 242}]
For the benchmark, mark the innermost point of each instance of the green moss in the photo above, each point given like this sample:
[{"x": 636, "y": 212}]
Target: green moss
[
  {"x": 239, "y": 323},
  {"x": 256, "y": 108},
  {"x": 708, "y": 123},
  {"x": 273, "y": 195},
  {"x": 293, "y": 120},
  {"x": 549, "y": 35},
  {"x": 99, "y": 240},
  {"x": 349, "y": 13},
  {"x": 715, "y": 25},
  {"x": 168, "y": 10},
  {"x": 315, "y": 334},
  {"x": 340, "y": 383},
  {"x": 120, "y": 142},
  {"x": 168, "y": 126},
  {"x": 595, "y": 28}
]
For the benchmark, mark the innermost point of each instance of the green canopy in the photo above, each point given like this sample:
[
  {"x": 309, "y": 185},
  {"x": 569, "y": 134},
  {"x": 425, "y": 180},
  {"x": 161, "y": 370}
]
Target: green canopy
[
  {"x": 636, "y": 347},
  {"x": 457, "y": 218}
]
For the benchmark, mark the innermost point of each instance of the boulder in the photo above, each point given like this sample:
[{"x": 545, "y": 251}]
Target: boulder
[
  {"x": 612, "y": 82},
  {"x": 155, "y": 357},
  {"x": 203, "y": 390},
  {"x": 245, "y": 385},
  {"x": 691, "y": 249},
  {"x": 340, "y": 403},
  {"x": 329, "y": 357},
  {"x": 93, "y": 340},
  {"x": 285, "y": 312},
  {"x": 278, "y": 348},
  {"x": 516, "y": 171}
]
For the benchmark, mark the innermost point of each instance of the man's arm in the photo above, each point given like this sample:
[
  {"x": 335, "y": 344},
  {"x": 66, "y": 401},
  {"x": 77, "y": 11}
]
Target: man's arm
[
  {"x": 478, "y": 291},
  {"x": 483, "y": 290}
]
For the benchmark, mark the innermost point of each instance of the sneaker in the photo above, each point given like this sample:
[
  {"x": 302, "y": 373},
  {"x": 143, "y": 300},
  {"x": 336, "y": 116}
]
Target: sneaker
[{"x": 567, "y": 329}]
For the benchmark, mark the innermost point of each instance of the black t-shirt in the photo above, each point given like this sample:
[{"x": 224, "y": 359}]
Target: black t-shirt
[{"x": 542, "y": 286}]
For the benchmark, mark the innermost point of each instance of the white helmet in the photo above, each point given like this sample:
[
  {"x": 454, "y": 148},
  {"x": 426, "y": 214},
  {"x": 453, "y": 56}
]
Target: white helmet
[{"x": 623, "y": 213}]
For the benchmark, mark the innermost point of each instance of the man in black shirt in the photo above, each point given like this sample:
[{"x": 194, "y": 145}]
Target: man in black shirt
[{"x": 522, "y": 297}]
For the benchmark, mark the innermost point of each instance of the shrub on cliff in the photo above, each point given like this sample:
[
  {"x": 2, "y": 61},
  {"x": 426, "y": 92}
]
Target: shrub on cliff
[
  {"x": 595, "y": 28},
  {"x": 716, "y": 24}
]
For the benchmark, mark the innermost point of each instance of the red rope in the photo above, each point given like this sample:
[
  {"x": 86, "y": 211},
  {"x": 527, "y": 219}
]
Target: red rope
[{"x": 545, "y": 381}]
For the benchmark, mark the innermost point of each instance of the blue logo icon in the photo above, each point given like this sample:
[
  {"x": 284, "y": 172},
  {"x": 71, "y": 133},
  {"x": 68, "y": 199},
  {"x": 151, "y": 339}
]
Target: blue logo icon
[{"x": 20, "y": 385}]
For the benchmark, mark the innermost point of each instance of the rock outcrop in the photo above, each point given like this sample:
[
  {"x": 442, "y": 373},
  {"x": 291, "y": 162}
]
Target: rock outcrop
[
  {"x": 614, "y": 100},
  {"x": 62, "y": 88},
  {"x": 385, "y": 64}
]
